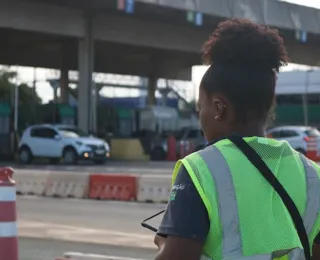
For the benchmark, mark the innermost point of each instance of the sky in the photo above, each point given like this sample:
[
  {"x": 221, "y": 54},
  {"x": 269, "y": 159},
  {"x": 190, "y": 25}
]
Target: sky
[{"x": 45, "y": 91}]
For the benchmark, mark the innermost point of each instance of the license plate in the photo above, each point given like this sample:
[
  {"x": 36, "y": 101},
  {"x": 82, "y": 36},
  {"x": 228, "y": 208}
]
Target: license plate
[{"x": 100, "y": 151}]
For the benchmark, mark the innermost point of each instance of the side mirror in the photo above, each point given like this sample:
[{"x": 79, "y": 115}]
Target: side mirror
[{"x": 57, "y": 137}]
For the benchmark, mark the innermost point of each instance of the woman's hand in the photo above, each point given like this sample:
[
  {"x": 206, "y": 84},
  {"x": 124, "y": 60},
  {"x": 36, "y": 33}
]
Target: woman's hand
[
  {"x": 160, "y": 241},
  {"x": 316, "y": 252},
  {"x": 173, "y": 248}
]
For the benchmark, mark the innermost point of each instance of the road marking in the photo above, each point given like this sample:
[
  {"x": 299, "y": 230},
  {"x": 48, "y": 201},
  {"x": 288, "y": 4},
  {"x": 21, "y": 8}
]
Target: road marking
[
  {"x": 79, "y": 229},
  {"x": 95, "y": 256},
  {"x": 84, "y": 200}
]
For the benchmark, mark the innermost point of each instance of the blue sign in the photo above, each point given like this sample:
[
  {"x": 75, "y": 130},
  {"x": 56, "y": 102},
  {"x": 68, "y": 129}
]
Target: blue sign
[
  {"x": 129, "y": 6},
  {"x": 199, "y": 19},
  {"x": 303, "y": 37}
]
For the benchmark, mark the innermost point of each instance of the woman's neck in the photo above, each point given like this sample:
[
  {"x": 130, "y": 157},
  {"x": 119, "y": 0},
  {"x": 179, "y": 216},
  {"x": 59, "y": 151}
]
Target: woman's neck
[{"x": 250, "y": 129}]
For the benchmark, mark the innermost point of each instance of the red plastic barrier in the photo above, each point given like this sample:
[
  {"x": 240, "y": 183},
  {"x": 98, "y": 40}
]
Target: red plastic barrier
[
  {"x": 113, "y": 187},
  {"x": 8, "y": 216},
  {"x": 172, "y": 149}
]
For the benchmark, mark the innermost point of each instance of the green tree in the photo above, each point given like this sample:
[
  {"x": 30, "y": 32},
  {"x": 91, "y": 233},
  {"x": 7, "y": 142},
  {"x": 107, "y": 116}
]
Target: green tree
[{"x": 7, "y": 88}]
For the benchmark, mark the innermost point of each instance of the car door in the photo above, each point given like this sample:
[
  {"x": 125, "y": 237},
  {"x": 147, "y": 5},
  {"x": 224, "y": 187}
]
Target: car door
[
  {"x": 35, "y": 141},
  {"x": 292, "y": 137},
  {"x": 51, "y": 145},
  {"x": 274, "y": 134}
]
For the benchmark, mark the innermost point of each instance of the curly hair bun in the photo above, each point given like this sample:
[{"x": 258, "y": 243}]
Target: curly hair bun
[{"x": 244, "y": 43}]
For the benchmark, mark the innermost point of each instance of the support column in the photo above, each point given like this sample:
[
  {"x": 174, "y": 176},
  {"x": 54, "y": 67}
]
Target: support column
[
  {"x": 85, "y": 59},
  {"x": 152, "y": 87},
  {"x": 64, "y": 76}
]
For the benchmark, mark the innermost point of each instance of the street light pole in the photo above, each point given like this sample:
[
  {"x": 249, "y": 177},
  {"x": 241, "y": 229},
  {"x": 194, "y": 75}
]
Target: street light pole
[
  {"x": 305, "y": 99},
  {"x": 16, "y": 107},
  {"x": 16, "y": 103}
]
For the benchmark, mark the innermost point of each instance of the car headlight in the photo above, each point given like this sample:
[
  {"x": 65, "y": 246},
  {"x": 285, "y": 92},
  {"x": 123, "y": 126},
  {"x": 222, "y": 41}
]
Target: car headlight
[{"x": 78, "y": 143}]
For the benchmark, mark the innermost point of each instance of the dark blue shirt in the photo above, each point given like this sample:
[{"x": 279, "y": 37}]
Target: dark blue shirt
[{"x": 186, "y": 215}]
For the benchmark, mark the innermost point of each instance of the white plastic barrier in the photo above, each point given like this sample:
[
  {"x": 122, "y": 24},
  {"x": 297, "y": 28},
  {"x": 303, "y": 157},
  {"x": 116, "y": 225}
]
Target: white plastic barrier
[
  {"x": 31, "y": 181},
  {"x": 81, "y": 256},
  {"x": 154, "y": 188},
  {"x": 67, "y": 184}
]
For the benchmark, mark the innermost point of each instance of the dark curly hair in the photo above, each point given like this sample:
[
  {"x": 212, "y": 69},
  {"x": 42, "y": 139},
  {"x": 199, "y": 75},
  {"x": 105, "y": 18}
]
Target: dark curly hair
[{"x": 244, "y": 59}]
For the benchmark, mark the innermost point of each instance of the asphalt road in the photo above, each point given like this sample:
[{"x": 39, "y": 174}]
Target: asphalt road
[
  {"x": 118, "y": 167},
  {"x": 48, "y": 227},
  {"x": 49, "y": 249}
]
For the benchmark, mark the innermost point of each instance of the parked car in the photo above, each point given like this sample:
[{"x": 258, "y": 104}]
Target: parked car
[
  {"x": 57, "y": 142},
  {"x": 297, "y": 136}
]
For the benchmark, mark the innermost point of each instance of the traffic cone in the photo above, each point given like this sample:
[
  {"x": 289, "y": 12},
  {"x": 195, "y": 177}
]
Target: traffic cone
[{"x": 8, "y": 216}]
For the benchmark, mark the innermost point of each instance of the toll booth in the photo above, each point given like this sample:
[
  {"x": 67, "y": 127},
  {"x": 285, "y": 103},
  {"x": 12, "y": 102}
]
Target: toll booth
[
  {"x": 6, "y": 135},
  {"x": 126, "y": 122},
  {"x": 67, "y": 114},
  {"x": 118, "y": 122},
  {"x": 45, "y": 114}
]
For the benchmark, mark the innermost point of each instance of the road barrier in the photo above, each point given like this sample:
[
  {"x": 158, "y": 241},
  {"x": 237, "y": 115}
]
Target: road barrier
[
  {"x": 31, "y": 181},
  {"x": 172, "y": 149},
  {"x": 113, "y": 187},
  {"x": 8, "y": 216},
  {"x": 144, "y": 188},
  {"x": 67, "y": 185},
  {"x": 152, "y": 188}
]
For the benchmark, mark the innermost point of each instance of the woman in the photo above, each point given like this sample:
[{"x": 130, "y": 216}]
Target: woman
[{"x": 221, "y": 207}]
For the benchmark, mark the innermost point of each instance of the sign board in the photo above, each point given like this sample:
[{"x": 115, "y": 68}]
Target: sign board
[
  {"x": 199, "y": 19},
  {"x": 129, "y": 6},
  {"x": 190, "y": 16}
]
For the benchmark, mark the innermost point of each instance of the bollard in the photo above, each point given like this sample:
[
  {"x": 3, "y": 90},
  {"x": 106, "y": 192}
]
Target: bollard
[
  {"x": 8, "y": 216},
  {"x": 311, "y": 148},
  {"x": 172, "y": 149}
]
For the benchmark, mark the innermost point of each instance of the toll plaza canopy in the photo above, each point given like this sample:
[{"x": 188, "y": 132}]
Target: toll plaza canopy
[{"x": 149, "y": 38}]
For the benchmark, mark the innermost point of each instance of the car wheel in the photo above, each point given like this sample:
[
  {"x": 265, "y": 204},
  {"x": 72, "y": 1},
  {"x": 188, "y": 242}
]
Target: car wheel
[
  {"x": 70, "y": 156},
  {"x": 25, "y": 155},
  {"x": 158, "y": 154},
  {"x": 54, "y": 161}
]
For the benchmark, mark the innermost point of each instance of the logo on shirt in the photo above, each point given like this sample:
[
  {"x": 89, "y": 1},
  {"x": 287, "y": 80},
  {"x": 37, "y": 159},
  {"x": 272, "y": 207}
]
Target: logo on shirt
[
  {"x": 178, "y": 187},
  {"x": 175, "y": 189},
  {"x": 173, "y": 195}
]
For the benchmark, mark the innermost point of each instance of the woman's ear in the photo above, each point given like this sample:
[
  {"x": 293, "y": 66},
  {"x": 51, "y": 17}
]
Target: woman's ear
[{"x": 219, "y": 108}]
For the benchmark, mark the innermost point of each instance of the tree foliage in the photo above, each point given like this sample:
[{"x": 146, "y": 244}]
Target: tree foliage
[{"x": 7, "y": 89}]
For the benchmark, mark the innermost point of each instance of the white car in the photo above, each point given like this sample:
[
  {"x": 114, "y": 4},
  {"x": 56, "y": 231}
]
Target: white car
[
  {"x": 61, "y": 141},
  {"x": 296, "y": 136}
]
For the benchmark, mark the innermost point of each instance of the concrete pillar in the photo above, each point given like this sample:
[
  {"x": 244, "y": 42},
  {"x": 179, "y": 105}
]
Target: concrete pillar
[
  {"x": 64, "y": 84},
  {"x": 64, "y": 76},
  {"x": 85, "y": 59},
  {"x": 152, "y": 87}
]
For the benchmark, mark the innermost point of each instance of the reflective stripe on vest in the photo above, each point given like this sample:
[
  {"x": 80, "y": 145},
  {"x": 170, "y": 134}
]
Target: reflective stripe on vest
[{"x": 228, "y": 209}]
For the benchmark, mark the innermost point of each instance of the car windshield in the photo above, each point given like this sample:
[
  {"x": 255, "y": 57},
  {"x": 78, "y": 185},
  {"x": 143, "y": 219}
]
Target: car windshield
[
  {"x": 312, "y": 132},
  {"x": 72, "y": 132}
]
